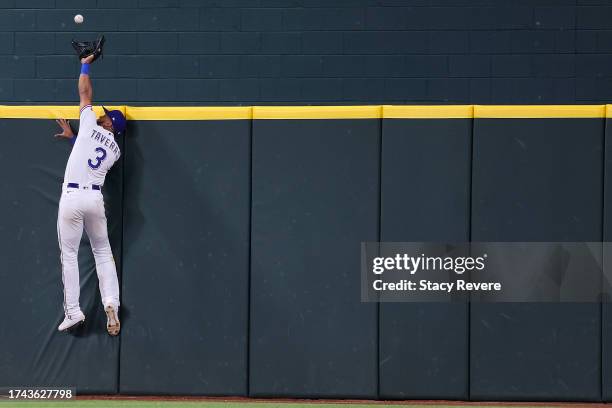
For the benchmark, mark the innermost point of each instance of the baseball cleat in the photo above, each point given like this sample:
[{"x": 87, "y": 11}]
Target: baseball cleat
[
  {"x": 71, "y": 322},
  {"x": 112, "y": 320}
]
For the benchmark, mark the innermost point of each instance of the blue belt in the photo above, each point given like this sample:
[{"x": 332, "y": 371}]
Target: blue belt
[{"x": 76, "y": 185}]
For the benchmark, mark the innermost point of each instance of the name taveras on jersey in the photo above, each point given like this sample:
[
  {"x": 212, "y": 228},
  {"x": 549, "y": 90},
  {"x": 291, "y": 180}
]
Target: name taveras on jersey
[{"x": 105, "y": 140}]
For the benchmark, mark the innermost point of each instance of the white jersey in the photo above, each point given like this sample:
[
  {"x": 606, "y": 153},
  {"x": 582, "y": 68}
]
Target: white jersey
[{"x": 93, "y": 154}]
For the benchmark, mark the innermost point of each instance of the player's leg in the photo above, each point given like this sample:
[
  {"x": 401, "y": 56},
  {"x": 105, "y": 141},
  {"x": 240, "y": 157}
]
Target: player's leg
[
  {"x": 96, "y": 228},
  {"x": 69, "y": 232}
]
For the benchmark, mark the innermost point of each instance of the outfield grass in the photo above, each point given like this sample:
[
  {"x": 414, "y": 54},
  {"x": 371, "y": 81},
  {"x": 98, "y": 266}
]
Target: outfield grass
[
  {"x": 205, "y": 404},
  {"x": 198, "y": 404},
  {"x": 111, "y": 403}
]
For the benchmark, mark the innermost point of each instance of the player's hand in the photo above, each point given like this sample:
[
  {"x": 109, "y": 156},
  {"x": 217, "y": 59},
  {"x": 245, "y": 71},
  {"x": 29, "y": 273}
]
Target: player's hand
[
  {"x": 88, "y": 59},
  {"x": 67, "y": 130}
]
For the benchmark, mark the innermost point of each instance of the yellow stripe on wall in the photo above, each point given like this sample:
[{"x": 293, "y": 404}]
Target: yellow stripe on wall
[
  {"x": 319, "y": 112},
  {"x": 428, "y": 111},
  {"x": 49, "y": 112},
  {"x": 189, "y": 113},
  {"x": 539, "y": 111}
]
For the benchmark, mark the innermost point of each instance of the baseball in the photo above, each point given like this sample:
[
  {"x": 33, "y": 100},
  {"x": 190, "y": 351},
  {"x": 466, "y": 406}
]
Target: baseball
[{"x": 78, "y": 19}]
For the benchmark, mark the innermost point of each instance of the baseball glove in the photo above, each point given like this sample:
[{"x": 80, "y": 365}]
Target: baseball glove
[{"x": 87, "y": 48}]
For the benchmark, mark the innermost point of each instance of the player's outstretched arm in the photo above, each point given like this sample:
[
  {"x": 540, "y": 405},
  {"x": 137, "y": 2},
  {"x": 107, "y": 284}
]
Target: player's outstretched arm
[
  {"x": 85, "y": 89},
  {"x": 67, "y": 132}
]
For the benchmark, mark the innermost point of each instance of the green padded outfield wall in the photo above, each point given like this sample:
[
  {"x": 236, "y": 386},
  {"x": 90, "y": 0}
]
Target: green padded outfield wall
[
  {"x": 425, "y": 196},
  {"x": 315, "y": 198},
  {"x": 536, "y": 179},
  {"x": 187, "y": 205},
  {"x": 33, "y": 353},
  {"x": 606, "y": 309},
  {"x": 236, "y": 233}
]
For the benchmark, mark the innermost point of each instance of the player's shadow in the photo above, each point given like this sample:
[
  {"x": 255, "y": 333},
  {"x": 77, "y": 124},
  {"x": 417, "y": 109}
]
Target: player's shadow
[{"x": 131, "y": 183}]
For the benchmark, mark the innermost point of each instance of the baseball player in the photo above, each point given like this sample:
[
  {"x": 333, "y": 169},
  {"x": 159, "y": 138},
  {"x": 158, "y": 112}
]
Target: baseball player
[{"x": 82, "y": 204}]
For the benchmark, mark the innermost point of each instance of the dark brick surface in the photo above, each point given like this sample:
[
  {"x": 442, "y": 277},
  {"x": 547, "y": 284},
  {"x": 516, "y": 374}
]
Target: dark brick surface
[
  {"x": 219, "y": 19},
  {"x": 261, "y": 20},
  {"x": 160, "y": 43},
  {"x": 34, "y": 43},
  {"x": 34, "y": 90},
  {"x": 281, "y": 43},
  {"x": 7, "y": 41},
  {"x": 238, "y": 89},
  {"x": 15, "y": 66},
  {"x": 312, "y": 51},
  {"x": 33, "y": 3},
  {"x": 279, "y": 89},
  {"x": 511, "y": 66},
  {"x": 157, "y": 89},
  {"x": 554, "y": 65},
  {"x": 198, "y": 90},
  {"x": 321, "y": 42},
  {"x": 6, "y": 89},
  {"x": 363, "y": 89}
]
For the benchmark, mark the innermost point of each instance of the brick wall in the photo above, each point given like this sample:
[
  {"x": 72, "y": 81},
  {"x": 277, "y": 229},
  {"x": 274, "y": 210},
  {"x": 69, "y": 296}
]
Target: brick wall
[{"x": 311, "y": 51}]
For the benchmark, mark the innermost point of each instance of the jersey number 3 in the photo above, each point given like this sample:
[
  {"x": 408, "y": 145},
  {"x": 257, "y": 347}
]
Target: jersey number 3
[{"x": 99, "y": 158}]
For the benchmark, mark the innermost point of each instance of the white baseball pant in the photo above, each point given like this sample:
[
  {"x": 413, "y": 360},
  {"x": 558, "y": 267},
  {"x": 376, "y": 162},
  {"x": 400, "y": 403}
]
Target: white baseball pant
[{"x": 85, "y": 207}]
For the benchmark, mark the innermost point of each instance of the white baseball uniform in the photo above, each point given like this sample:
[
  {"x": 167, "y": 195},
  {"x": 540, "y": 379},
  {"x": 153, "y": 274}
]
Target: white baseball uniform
[{"x": 82, "y": 204}]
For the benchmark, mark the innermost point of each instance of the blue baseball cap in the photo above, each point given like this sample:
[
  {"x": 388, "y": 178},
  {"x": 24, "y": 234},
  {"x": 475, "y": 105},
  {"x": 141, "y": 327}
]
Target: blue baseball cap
[{"x": 119, "y": 122}]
